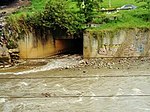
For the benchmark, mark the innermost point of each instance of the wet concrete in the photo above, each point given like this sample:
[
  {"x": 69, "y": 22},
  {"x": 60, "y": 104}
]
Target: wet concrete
[{"x": 84, "y": 89}]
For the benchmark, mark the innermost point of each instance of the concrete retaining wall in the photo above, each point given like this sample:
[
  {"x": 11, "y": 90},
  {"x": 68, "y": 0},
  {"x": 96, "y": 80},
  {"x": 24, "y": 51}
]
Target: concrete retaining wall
[
  {"x": 120, "y": 43},
  {"x": 31, "y": 46}
]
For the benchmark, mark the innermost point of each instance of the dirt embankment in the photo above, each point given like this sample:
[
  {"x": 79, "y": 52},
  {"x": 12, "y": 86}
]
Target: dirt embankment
[{"x": 5, "y": 10}]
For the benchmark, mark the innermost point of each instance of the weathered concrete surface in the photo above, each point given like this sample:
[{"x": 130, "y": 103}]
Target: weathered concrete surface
[
  {"x": 120, "y": 43},
  {"x": 32, "y": 46},
  {"x": 77, "y": 90}
]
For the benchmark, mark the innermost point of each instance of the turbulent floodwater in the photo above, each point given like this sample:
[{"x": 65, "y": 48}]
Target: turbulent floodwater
[
  {"x": 63, "y": 61},
  {"x": 45, "y": 88}
]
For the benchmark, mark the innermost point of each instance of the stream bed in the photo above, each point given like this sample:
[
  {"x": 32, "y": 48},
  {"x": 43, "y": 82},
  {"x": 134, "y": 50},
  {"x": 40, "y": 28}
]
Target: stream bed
[{"x": 62, "y": 85}]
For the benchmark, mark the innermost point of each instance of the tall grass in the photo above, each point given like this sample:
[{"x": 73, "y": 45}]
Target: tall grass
[{"x": 128, "y": 19}]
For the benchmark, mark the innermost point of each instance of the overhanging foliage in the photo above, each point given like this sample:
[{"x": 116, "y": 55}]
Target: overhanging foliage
[{"x": 57, "y": 15}]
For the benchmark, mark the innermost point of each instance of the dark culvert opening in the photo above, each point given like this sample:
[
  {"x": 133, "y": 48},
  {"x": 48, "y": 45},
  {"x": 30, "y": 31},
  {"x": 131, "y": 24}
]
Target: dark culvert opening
[
  {"x": 77, "y": 47},
  {"x": 72, "y": 46}
]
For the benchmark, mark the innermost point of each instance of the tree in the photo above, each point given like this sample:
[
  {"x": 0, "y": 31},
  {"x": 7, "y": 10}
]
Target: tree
[
  {"x": 87, "y": 8},
  {"x": 58, "y": 16}
]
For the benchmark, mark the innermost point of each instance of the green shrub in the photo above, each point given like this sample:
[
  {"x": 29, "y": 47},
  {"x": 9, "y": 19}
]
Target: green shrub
[{"x": 56, "y": 15}]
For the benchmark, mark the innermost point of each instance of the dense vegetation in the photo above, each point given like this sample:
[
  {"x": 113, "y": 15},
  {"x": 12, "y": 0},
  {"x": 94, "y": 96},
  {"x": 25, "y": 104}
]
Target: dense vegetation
[
  {"x": 147, "y": 5},
  {"x": 73, "y": 16},
  {"x": 137, "y": 18}
]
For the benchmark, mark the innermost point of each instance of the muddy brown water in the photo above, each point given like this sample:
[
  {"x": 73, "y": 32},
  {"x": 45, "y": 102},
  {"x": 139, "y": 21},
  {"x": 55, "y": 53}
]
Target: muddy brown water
[{"x": 48, "y": 88}]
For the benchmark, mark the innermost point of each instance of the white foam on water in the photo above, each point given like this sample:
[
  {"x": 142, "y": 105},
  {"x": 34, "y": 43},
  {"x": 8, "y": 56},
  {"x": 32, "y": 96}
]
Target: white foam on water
[
  {"x": 2, "y": 100},
  {"x": 137, "y": 91},
  {"x": 120, "y": 91},
  {"x": 54, "y": 64},
  {"x": 24, "y": 83},
  {"x": 78, "y": 100}
]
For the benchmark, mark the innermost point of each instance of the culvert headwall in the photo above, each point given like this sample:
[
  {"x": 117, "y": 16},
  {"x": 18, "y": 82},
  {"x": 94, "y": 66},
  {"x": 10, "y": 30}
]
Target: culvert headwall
[{"x": 119, "y": 43}]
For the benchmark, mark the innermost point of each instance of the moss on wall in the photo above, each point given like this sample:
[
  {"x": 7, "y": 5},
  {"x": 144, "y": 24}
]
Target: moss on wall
[{"x": 119, "y": 43}]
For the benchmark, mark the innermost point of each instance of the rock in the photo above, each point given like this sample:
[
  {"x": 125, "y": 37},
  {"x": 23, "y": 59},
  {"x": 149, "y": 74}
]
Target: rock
[
  {"x": 4, "y": 51},
  {"x": 82, "y": 62},
  {"x": 108, "y": 64},
  {"x": 110, "y": 67},
  {"x": 2, "y": 7},
  {"x": 67, "y": 67},
  {"x": 13, "y": 50}
]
